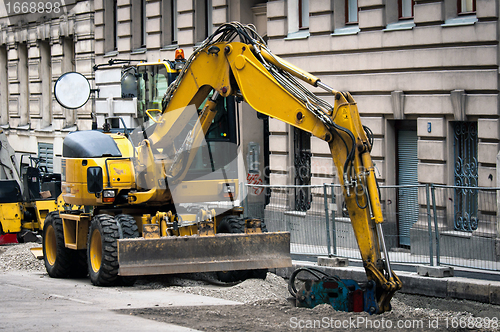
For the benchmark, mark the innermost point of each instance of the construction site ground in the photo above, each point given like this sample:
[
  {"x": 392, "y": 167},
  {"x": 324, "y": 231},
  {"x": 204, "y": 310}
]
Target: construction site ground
[{"x": 35, "y": 302}]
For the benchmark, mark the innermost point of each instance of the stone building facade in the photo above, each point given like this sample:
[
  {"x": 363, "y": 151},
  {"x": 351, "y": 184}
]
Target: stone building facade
[
  {"x": 423, "y": 73},
  {"x": 152, "y": 30},
  {"x": 35, "y": 49}
]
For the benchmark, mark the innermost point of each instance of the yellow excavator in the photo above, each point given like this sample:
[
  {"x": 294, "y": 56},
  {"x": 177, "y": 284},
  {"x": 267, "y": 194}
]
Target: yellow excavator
[{"x": 166, "y": 197}]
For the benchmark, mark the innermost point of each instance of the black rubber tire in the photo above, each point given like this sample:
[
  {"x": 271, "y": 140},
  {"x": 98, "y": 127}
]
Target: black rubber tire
[
  {"x": 58, "y": 259},
  {"x": 232, "y": 225},
  {"x": 129, "y": 230},
  {"x": 103, "y": 270},
  {"x": 19, "y": 238}
]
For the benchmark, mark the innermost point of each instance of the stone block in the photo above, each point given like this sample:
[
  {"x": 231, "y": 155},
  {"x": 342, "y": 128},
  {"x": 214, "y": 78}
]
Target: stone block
[
  {"x": 333, "y": 261},
  {"x": 321, "y": 165},
  {"x": 278, "y": 162},
  {"x": 219, "y": 3},
  {"x": 276, "y": 125},
  {"x": 486, "y": 176},
  {"x": 123, "y": 14},
  {"x": 378, "y": 148},
  {"x": 34, "y": 88},
  {"x": 153, "y": 9},
  {"x": 376, "y": 124},
  {"x": 432, "y": 150},
  {"x": 414, "y": 284},
  {"x": 488, "y": 128},
  {"x": 276, "y": 9},
  {"x": 153, "y": 25},
  {"x": 379, "y": 168},
  {"x": 183, "y": 6},
  {"x": 124, "y": 44},
  {"x": 469, "y": 289},
  {"x": 428, "y": 12},
  {"x": 315, "y": 181},
  {"x": 438, "y": 105},
  {"x": 185, "y": 37},
  {"x": 83, "y": 46},
  {"x": 125, "y": 107},
  {"x": 482, "y": 105},
  {"x": 319, "y": 6},
  {"x": 495, "y": 293},
  {"x": 432, "y": 173},
  {"x": 318, "y": 146},
  {"x": 108, "y": 76},
  {"x": 185, "y": 20},
  {"x": 487, "y": 152},
  {"x": 411, "y": 81},
  {"x": 153, "y": 41},
  {"x": 486, "y": 8},
  {"x": 276, "y": 28},
  {"x": 114, "y": 91},
  {"x": 368, "y": 105},
  {"x": 437, "y": 127},
  {"x": 435, "y": 271},
  {"x": 370, "y": 3},
  {"x": 278, "y": 179},
  {"x": 278, "y": 143},
  {"x": 373, "y": 18},
  {"x": 219, "y": 15},
  {"x": 321, "y": 23}
]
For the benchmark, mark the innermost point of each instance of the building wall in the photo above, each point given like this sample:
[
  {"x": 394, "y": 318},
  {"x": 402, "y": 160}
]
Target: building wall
[
  {"x": 33, "y": 55},
  {"x": 161, "y": 40},
  {"x": 437, "y": 68}
]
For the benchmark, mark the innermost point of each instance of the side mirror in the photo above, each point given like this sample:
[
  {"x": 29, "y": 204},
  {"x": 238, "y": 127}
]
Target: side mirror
[
  {"x": 94, "y": 180},
  {"x": 72, "y": 90}
]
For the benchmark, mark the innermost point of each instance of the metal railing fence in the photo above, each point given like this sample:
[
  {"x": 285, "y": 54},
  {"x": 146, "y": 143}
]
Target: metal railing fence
[
  {"x": 466, "y": 226},
  {"x": 423, "y": 224}
]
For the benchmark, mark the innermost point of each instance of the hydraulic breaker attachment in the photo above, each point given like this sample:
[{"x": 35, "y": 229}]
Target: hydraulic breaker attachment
[
  {"x": 190, "y": 254},
  {"x": 342, "y": 294}
]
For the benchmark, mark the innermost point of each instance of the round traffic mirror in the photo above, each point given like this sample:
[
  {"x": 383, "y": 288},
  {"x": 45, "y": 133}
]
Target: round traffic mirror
[{"x": 72, "y": 90}]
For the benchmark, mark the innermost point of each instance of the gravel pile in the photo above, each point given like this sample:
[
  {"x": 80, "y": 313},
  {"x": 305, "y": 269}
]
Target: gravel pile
[
  {"x": 273, "y": 293},
  {"x": 248, "y": 291},
  {"x": 19, "y": 257}
]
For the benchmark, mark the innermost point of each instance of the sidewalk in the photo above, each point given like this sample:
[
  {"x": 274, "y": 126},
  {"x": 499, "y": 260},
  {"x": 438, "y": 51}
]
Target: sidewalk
[{"x": 484, "y": 291}]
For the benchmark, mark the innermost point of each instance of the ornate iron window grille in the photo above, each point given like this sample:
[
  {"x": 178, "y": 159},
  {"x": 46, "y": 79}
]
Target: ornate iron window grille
[
  {"x": 302, "y": 163},
  {"x": 466, "y": 199}
]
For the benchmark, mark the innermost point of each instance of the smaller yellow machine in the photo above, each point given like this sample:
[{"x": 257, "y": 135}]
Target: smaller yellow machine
[{"x": 27, "y": 194}]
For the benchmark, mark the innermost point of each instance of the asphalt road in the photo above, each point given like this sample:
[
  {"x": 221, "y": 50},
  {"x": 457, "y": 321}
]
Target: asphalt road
[{"x": 32, "y": 301}]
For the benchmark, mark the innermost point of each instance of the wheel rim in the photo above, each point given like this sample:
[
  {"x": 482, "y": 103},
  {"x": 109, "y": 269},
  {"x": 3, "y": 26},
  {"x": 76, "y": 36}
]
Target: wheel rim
[
  {"x": 95, "y": 250},
  {"x": 50, "y": 245}
]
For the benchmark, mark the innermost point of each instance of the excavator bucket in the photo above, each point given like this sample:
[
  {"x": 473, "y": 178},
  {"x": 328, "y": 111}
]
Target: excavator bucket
[{"x": 189, "y": 254}]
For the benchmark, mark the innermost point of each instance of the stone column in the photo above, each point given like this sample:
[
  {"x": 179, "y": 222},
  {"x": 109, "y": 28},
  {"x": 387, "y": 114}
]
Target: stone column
[
  {"x": 498, "y": 200},
  {"x": 497, "y": 242}
]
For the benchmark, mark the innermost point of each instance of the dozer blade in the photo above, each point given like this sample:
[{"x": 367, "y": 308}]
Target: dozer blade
[{"x": 189, "y": 254}]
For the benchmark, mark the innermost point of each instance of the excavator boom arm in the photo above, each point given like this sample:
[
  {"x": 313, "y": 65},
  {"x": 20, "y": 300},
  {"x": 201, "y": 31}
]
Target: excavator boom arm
[{"x": 270, "y": 85}]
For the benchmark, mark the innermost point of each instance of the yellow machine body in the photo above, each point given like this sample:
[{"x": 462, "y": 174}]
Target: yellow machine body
[
  {"x": 23, "y": 208},
  {"x": 11, "y": 217},
  {"x": 118, "y": 174}
]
